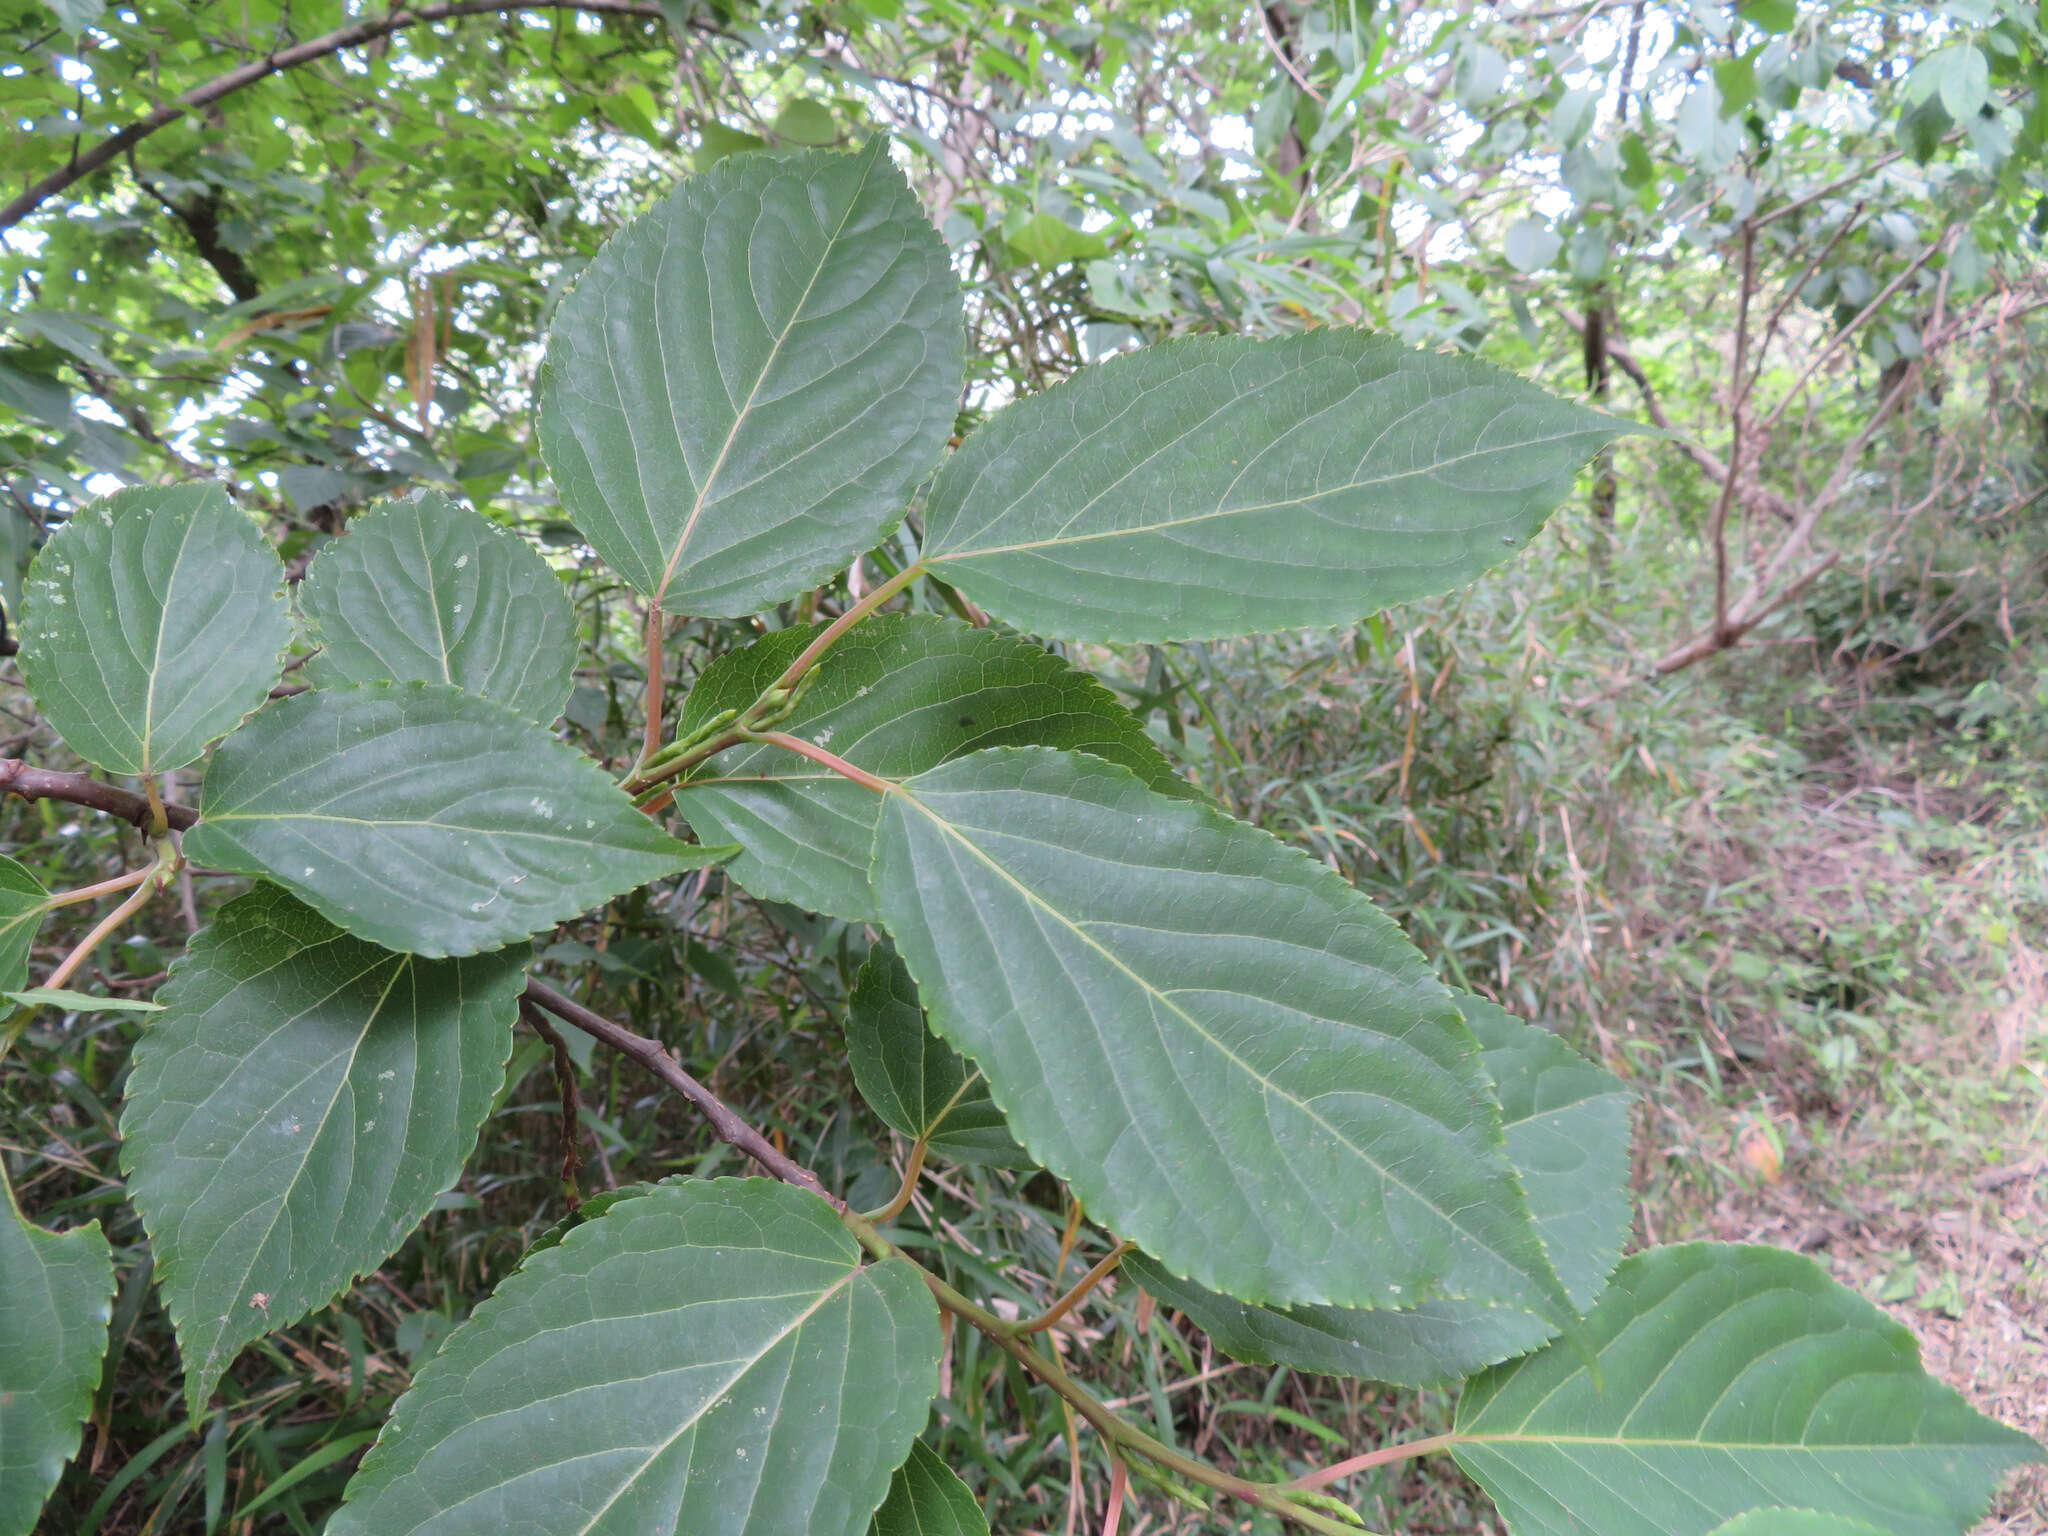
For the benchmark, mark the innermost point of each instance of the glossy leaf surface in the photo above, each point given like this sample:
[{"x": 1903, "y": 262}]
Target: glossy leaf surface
[
  {"x": 58, "y": 1290},
  {"x": 897, "y": 695},
  {"x": 1567, "y": 1127},
  {"x": 152, "y": 622},
  {"x": 916, "y": 1082},
  {"x": 751, "y": 378},
  {"x": 926, "y": 1498},
  {"x": 23, "y": 901},
  {"x": 426, "y": 590},
  {"x": 295, "y": 1111},
  {"x": 423, "y": 819},
  {"x": 1731, "y": 1379},
  {"x": 709, "y": 1359},
  {"x": 1222, "y": 486},
  {"x": 1232, "y": 1056}
]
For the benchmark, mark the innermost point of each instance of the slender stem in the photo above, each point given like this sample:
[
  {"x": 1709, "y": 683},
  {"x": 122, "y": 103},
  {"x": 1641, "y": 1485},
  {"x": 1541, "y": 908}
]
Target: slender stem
[
  {"x": 819, "y": 755},
  {"x": 839, "y": 626},
  {"x": 1074, "y": 1297},
  {"x": 1407, "y": 1450},
  {"x": 662, "y": 769},
  {"x": 657, "y": 627},
  {"x": 908, "y": 1187},
  {"x": 104, "y": 888},
  {"x": 572, "y": 1099},
  {"x": 152, "y": 881},
  {"x": 654, "y": 1056}
]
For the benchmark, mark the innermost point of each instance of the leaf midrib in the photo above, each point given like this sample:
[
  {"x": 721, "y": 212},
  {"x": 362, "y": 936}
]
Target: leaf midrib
[{"x": 703, "y": 492}]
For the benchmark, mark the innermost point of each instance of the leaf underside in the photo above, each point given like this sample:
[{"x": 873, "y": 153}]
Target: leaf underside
[
  {"x": 1567, "y": 1131},
  {"x": 1730, "y": 1379},
  {"x": 152, "y": 622},
  {"x": 424, "y": 819},
  {"x": 296, "y": 1110},
  {"x": 56, "y": 1294},
  {"x": 915, "y": 1081},
  {"x": 711, "y": 1358},
  {"x": 1233, "y": 1057},
  {"x": 751, "y": 378},
  {"x": 1222, "y": 486},
  {"x": 926, "y": 1498},
  {"x": 23, "y": 901},
  {"x": 426, "y": 590},
  {"x": 897, "y": 695}
]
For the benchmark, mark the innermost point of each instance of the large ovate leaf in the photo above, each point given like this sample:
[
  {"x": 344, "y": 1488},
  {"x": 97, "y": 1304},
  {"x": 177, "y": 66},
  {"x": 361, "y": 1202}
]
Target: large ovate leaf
[
  {"x": 1729, "y": 1379},
  {"x": 1221, "y": 486},
  {"x": 152, "y": 622},
  {"x": 424, "y": 819},
  {"x": 1567, "y": 1130},
  {"x": 296, "y": 1110},
  {"x": 751, "y": 377},
  {"x": 926, "y": 1498},
  {"x": 915, "y": 1081},
  {"x": 1233, "y": 1057},
  {"x": 897, "y": 695},
  {"x": 56, "y": 1294},
  {"x": 711, "y": 1358},
  {"x": 23, "y": 901},
  {"x": 426, "y": 590}
]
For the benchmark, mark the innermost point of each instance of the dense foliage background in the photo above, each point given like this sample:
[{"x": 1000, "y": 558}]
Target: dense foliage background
[{"x": 1735, "y": 777}]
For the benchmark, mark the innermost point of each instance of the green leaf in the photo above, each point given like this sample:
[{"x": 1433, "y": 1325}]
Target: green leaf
[
  {"x": 74, "y": 16},
  {"x": 78, "y": 1002},
  {"x": 1730, "y": 1379},
  {"x": 751, "y": 378},
  {"x": 926, "y": 1498},
  {"x": 23, "y": 901},
  {"x": 59, "y": 1290},
  {"x": 806, "y": 122},
  {"x": 152, "y": 622},
  {"x": 1958, "y": 74},
  {"x": 1234, "y": 1058},
  {"x": 1567, "y": 1136},
  {"x": 710, "y": 1359},
  {"x": 915, "y": 1081},
  {"x": 1770, "y": 15},
  {"x": 1795, "y": 1522},
  {"x": 1530, "y": 245},
  {"x": 425, "y": 590},
  {"x": 296, "y": 1111},
  {"x": 424, "y": 819},
  {"x": 1567, "y": 1125},
  {"x": 1220, "y": 486},
  {"x": 1047, "y": 240},
  {"x": 897, "y": 695}
]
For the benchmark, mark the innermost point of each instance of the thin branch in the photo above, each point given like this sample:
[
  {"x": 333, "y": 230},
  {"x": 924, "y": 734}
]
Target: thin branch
[
  {"x": 80, "y": 166},
  {"x": 1079, "y": 1293},
  {"x": 1717, "y": 524},
  {"x": 653, "y": 1055},
  {"x": 1379, "y": 1458},
  {"x": 572, "y": 1099},
  {"x": 19, "y": 778}
]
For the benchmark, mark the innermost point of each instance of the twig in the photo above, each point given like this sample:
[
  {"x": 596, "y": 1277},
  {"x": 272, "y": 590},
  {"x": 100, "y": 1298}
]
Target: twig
[
  {"x": 19, "y": 778},
  {"x": 572, "y": 1100},
  {"x": 653, "y": 1055},
  {"x": 1074, "y": 1297},
  {"x": 80, "y": 166}
]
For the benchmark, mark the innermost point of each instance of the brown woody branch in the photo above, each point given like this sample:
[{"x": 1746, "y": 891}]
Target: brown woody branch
[
  {"x": 115, "y": 145},
  {"x": 655, "y": 1057},
  {"x": 32, "y": 783}
]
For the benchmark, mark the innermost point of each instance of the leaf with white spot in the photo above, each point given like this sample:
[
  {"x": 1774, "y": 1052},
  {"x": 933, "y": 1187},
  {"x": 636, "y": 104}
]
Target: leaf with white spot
[
  {"x": 425, "y": 819},
  {"x": 426, "y": 590},
  {"x": 152, "y": 622},
  {"x": 711, "y": 1358},
  {"x": 295, "y": 1112}
]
